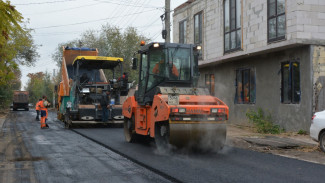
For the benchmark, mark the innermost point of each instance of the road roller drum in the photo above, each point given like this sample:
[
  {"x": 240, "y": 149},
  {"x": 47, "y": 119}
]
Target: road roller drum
[{"x": 204, "y": 136}]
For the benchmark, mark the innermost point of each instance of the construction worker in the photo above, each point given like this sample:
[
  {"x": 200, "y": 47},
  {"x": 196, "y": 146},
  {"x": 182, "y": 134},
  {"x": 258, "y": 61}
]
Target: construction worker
[
  {"x": 38, "y": 109},
  {"x": 159, "y": 68},
  {"x": 105, "y": 104},
  {"x": 43, "y": 107},
  {"x": 124, "y": 79}
]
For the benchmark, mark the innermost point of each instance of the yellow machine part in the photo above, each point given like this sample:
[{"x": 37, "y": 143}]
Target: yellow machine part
[{"x": 201, "y": 135}]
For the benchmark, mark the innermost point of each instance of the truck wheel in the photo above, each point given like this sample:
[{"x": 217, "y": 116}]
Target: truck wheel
[
  {"x": 162, "y": 136},
  {"x": 129, "y": 129},
  {"x": 322, "y": 141}
]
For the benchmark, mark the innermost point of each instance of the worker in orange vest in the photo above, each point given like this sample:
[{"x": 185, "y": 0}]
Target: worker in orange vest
[
  {"x": 38, "y": 109},
  {"x": 44, "y": 113}
]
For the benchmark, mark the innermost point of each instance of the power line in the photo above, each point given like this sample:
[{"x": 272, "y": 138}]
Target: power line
[
  {"x": 48, "y": 2},
  {"x": 131, "y": 20},
  {"x": 91, "y": 21},
  {"x": 67, "y": 9},
  {"x": 75, "y": 32},
  {"x": 128, "y": 4}
]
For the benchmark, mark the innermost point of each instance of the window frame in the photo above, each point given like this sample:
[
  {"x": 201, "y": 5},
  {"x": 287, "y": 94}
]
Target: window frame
[
  {"x": 238, "y": 47},
  {"x": 277, "y": 38},
  {"x": 200, "y": 14},
  {"x": 210, "y": 83},
  {"x": 182, "y": 31},
  {"x": 252, "y": 100},
  {"x": 292, "y": 86}
]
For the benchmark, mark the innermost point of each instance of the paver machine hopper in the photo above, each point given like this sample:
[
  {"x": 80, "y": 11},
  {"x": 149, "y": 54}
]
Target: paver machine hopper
[{"x": 168, "y": 106}]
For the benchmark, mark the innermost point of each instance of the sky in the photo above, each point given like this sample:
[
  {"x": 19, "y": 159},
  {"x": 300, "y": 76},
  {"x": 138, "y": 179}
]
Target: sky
[{"x": 57, "y": 21}]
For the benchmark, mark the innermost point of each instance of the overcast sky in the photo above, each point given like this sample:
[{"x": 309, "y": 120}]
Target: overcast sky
[{"x": 58, "y": 21}]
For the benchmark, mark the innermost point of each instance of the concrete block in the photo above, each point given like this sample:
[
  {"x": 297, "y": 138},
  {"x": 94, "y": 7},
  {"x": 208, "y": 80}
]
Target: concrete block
[
  {"x": 321, "y": 15},
  {"x": 321, "y": 29},
  {"x": 303, "y": 35},
  {"x": 310, "y": 28},
  {"x": 318, "y": 36},
  {"x": 291, "y": 29},
  {"x": 300, "y": 28},
  {"x": 311, "y": 2},
  {"x": 319, "y": 22},
  {"x": 321, "y": 2}
]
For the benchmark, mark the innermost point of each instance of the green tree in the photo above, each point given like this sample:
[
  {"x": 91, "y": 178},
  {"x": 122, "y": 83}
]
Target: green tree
[
  {"x": 40, "y": 84},
  {"x": 16, "y": 48},
  {"x": 110, "y": 41}
]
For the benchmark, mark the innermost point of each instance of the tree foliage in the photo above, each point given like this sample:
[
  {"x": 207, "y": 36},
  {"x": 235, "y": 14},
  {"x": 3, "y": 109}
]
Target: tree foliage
[
  {"x": 16, "y": 48},
  {"x": 39, "y": 84},
  {"x": 110, "y": 41}
]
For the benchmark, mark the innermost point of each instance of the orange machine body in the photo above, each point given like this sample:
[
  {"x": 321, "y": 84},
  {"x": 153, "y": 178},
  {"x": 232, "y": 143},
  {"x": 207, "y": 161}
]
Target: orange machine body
[{"x": 198, "y": 109}]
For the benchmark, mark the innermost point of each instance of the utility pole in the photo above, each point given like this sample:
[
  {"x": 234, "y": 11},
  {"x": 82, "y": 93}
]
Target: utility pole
[{"x": 167, "y": 20}]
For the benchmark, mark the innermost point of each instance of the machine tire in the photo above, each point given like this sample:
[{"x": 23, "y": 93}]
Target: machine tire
[
  {"x": 322, "y": 141},
  {"x": 129, "y": 129},
  {"x": 162, "y": 136}
]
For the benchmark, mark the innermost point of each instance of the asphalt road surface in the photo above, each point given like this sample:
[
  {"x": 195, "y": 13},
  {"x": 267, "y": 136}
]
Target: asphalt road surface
[
  {"x": 31, "y": 154},
  {"x": 102, "y": 155}
]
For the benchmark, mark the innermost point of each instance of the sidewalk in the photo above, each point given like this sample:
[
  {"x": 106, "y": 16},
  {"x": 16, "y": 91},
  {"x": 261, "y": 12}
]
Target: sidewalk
[{"x": 290, "y": 145}]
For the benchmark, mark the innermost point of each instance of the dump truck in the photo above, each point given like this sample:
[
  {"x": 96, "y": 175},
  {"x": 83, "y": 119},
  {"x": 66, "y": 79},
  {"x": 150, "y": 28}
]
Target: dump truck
[
  {"x": 20, "y": 100},
  {"x": 168, "y": 106},
  {"x": 83, "y": 83}
]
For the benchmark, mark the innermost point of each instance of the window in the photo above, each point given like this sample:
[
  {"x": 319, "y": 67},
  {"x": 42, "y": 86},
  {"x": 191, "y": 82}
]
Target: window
[
  {"x": 276, "y": 20},
  {"x": 182, "y": 31},
  {"x": 290, "y": 89},
  {"x": 198, "y": 28},
  {"x": 232, "y": 25},
  {"x": 209, "y": 82},
  {"x": 245, "y": 86}
]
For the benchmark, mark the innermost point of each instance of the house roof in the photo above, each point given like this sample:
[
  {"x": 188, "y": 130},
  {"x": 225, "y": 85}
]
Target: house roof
[{"x": 184, "y": 5}]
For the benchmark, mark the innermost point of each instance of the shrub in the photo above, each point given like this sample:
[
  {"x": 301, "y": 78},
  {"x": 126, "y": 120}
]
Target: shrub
[
  {"x": 302, "y": 132},
  {"x": 263, "y": 123}
]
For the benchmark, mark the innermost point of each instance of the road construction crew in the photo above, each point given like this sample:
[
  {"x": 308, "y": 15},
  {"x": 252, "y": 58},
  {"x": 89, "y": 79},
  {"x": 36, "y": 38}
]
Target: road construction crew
[
  {"x": 43, "y": 107},
  {"x": 38, "y": 109}
]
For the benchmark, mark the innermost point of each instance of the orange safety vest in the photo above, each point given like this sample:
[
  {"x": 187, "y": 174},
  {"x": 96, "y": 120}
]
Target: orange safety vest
[
  {"x": 37, "y": 106},
  {"x": 42, "y": 107}
]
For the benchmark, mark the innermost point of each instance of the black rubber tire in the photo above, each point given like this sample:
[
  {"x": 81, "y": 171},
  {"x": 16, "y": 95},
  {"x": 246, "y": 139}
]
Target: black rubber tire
[
  {"x": 322, "y": 141},
  {"x": 129, "y": 129},
  {"x": 162, "y": 136}
]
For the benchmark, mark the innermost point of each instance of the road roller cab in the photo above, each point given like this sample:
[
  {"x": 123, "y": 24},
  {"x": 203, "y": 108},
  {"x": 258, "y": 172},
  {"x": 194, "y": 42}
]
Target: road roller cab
[{"x": 168, "y": 106}]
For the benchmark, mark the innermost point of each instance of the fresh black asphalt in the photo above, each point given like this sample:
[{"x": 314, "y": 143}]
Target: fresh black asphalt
[{"x": 230, "y": 165}]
